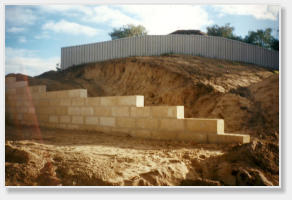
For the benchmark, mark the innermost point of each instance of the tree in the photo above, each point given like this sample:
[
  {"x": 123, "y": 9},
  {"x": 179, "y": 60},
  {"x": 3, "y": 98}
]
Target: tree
[
  {"x": 221, "y": 31},
  {"x": 128, "y": 31},
  {"x": 58, "y": 68},
  {"x": 262, "y": 38},
  {"x": 275, "y": 44}
]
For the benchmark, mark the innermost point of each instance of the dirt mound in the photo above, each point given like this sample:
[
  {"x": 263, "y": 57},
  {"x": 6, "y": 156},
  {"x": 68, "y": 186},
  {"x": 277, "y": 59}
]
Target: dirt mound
[
  {"x": 263, "y": 154},
  {"x": 256, "y": 163},
  {"x": 251, "y": 164}
]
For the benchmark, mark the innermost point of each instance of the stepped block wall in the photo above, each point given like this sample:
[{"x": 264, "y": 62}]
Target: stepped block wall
[{"x": 126, "y": 115}]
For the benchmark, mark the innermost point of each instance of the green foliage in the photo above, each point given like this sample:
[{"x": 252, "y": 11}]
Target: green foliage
[
  {"x": 128, "y": 31},
  {"x": 261, "y": 38},
  {"x": 58, "y": 68},
  {"x": 275, "y": 44},
  {"x": 221, "y": 31}
]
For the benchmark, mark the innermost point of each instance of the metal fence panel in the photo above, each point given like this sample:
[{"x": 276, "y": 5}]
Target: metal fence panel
[{"x": 150, "y": 45}]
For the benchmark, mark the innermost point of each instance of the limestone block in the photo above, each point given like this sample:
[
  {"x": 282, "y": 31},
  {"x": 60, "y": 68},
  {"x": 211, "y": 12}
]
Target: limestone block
[
  {"x": 126, "y": 122},
  {"x": 54, "y": 125},
  {"x": 151, "y": 124},
  {"x": 61, "y": 110},
  {"x": 93, "y": 101},
  {"x": 107, "y": 121},
  {"x": 108, "y": 101},
  {"x": 44, "y": 102},
  {"x": 30, "y": 117},
  {"x": 10, "y": 91},
  {"x": 65, "y": 102},
  {"x": 54, "y": 94},
  {"x": 37, "y": 89},
  {"x": 91, "y": 120},
  {"x": 27, "y": 103},
  {"x": 82, "y": 93},
  {"x": 172, "y": 125},
  {"x": 201, "y": 125},
  {"x": 35, "y": 102},
  {"x": 12, "y": 110},
  {"x": 76, "y": 93},
  {"x": 24, "y": 97},
  {"x": 74, "y": 110},
  {"x": 227, "y": 138},
  {"x": 54, "y": 102},
  {"x": 77, "y": 119},
  {"x": 22, "y": 91},
  {"x": 19, "y": 117},
  {"x": 65, "y": 119},
  {"x": 9, "y": 86},
  {"x": 10, "y": 80},
  {"x": 62, "y": 126},
  {"x": 43, "y": 118},
  {"x": 103, "y": 111},
  {"x": 167, "y": 112},
  {"x": 23, "y": 110},
  {"x": 194, "y": 137},
  {"x": 53, "y": 119},
  {"x": 39, "y": 95},
  {"x": 53, "y": 110},
  {"x": 21, "y": 84},
  {"x": 86, "y": 110},
  {"x": 44, "y": 124},
  {"x": 40, "y": 110},
  {"x": 31, "y": 110},
  {"x": 72, "y": 126},
  {"x": 139, "y": 101},
  {"x": 121, "y": 111},
  {"x": 10, "y": 98},
  {"x": 122, "y": 101},
  {"x": 26, "y": 122},
  {"x": 77, "y": 101},
  {"x": 12, "y": 103},
  {"x": 130, "y": 101},
  {"x": 140, "y": 112}
]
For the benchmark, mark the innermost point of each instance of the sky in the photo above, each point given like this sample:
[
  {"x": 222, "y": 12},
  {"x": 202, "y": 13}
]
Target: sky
[{"x": 34, "y": 35}]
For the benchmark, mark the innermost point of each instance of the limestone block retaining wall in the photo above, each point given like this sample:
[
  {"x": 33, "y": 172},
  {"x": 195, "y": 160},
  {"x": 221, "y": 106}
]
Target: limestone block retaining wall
[{"x": 72, "y": 109}]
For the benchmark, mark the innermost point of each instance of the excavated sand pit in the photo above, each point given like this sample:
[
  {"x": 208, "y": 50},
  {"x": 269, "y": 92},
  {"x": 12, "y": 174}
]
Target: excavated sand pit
[{"x": 245, "y": 96}]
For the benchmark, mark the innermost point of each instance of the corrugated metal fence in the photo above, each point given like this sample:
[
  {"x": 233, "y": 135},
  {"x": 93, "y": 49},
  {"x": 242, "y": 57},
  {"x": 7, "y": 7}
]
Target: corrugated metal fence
[{"x": 154, "y": 45}]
